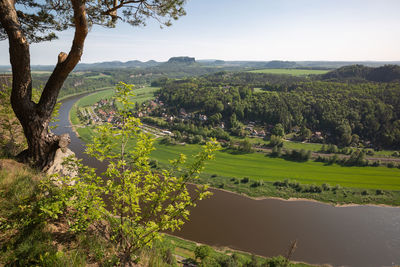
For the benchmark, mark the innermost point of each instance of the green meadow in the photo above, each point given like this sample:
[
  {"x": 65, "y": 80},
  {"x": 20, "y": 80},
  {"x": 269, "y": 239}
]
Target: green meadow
[
  {"x": 257, "y": 166},
  {"x": 260, "y": 167},
  {"x": 294, "y": 72},
  {"x": 141, "y": 95}
]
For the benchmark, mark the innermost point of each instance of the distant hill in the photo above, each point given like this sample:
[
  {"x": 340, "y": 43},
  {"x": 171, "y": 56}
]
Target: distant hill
[
  {"x": 386, "y": 73},
  {"x": 181, "y": 60},
  {"x": 117, "y": 64},
  {"x": 277, "y": 64}
]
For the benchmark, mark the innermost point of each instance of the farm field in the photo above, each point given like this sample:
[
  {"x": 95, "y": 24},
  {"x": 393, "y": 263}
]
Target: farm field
[
  {"x": 141, "y": 95},
  {"x": 294, "y": 72}
]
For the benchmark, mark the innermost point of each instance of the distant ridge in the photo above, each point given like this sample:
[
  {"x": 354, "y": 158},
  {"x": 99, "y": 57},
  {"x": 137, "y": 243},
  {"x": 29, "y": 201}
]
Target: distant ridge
[{"x": 185, "y": 60}]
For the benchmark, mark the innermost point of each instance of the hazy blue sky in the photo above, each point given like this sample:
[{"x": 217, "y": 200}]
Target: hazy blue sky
[{"x": 248, "y": 30}]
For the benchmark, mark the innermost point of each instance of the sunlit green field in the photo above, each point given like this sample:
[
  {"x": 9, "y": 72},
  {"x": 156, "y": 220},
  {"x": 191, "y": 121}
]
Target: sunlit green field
[
  {"x": 294, "y": 72},
  {"x": 141, "y": 95}
]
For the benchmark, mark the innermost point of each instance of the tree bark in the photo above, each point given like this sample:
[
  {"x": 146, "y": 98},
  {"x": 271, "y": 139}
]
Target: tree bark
[{"x": 35, "y": 118}]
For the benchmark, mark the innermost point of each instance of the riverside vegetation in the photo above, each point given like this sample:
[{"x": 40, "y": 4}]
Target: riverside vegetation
[{"x": 67, "y": 223}]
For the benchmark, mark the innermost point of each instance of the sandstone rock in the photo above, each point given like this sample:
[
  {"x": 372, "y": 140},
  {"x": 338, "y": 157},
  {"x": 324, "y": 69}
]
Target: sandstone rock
[{"x": 58, "y": 167}]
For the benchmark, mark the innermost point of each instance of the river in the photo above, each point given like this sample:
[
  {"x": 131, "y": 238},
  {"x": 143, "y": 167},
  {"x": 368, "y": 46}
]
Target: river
[{"x": 339, "y": 236}]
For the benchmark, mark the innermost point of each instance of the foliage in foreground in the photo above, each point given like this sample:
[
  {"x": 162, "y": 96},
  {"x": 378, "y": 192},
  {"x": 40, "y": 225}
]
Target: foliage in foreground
[{"x": 139, "y": 202}]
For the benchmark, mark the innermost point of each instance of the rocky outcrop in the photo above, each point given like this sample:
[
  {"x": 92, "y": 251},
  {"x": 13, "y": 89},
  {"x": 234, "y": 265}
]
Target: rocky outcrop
[
  {"x": 58, "y": 167},
  {"x": 63, "y": 152}
]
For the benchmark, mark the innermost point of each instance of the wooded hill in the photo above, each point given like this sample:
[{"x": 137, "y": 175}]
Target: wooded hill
[
  {"x": 354, "y": 73},
  {"x": 345, "y": 113}
]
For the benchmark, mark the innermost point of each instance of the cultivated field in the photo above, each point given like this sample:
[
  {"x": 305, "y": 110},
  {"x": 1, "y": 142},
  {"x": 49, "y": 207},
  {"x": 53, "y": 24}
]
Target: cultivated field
[{"x": 294, "y": 72}]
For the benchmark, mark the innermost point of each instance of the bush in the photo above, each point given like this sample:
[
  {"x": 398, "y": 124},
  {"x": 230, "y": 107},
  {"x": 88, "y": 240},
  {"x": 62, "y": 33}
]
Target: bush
[
  {"x": 298, "y": 155},
  {"x": 257, "y": 184},
  {"x": 326, "y": 187},
  {"x": 201, "y": 252},
  {"x": 396, "y": 154},
  {"x": 390, "y": 165},
  {"x": 275, "y": 141},
  {"x": 370, "y": 152},
  {"x": 245, "y": 146},
  {"x": 153, "y": 163},
  {"x": 376, "y": 163},
  {"x": 245, "y": 180},
  {"x": 276, "y": 151}
]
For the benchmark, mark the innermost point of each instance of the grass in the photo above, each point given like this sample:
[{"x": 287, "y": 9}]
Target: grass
[
  {"x": 259, "y": 167},
  {"x": 328, "y": 193},
  {"x": 294, "y": 72},
  {"x": 141, "y": 95},
  {"x": 298, "y": 145},
  {"x": 80, "y": 93}
]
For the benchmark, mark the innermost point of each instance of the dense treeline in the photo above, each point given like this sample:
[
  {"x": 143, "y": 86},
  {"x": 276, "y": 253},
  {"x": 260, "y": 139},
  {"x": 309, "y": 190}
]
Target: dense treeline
[
  {"x": 357, "y": 73},
  {"x": 344, "y": 113}
]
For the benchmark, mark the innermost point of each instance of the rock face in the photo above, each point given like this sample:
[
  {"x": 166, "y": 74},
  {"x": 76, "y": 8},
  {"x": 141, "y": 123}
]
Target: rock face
[
  {"x": 62, "y": 153},
  {"x": 58, "y": 167}
]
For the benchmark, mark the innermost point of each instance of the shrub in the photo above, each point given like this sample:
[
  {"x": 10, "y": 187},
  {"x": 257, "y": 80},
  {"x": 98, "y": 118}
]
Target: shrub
[
  {"x": 153, "y": 163},
  {"x": 326, "y": 187},
  {"x": 275, "y": 141},
  {"x": 276, "y": 151},
  {"x": 396, "y": 154},
  {"x": 370, "y": 152},
  {"x": 245, "y": 180},
  {"x": 257, "y": 184},
  {"x": 201, "y": 252},
  {"x": 390, "y": 165},
  {"x": 376, "y": 163}
]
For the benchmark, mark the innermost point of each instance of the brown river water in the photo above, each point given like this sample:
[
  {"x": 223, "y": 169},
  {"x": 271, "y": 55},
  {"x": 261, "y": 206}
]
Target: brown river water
[{"x": 339, "y": 236}]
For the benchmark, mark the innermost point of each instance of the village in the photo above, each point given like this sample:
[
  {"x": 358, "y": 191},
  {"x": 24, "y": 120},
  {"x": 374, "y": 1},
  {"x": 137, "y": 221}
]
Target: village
[{"x": 158, "y": 121}]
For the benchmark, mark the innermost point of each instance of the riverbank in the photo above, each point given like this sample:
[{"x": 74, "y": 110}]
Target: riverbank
[{"x": 290, "y": 190}]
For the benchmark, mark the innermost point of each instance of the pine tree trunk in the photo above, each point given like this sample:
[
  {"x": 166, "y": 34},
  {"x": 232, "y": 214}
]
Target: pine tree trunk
[
  {"x": 42, "y": 144},
  {"x": 35, "y": 118}
]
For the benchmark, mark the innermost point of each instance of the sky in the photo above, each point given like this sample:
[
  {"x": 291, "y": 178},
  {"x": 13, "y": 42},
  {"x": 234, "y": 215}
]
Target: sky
[{"x": 260, "y": 30}]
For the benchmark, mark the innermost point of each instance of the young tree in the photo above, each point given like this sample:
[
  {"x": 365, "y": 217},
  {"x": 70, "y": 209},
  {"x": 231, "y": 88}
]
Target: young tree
[
  {"x": 25, "y": 21},
  {"x": 141, "y": 201}
]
